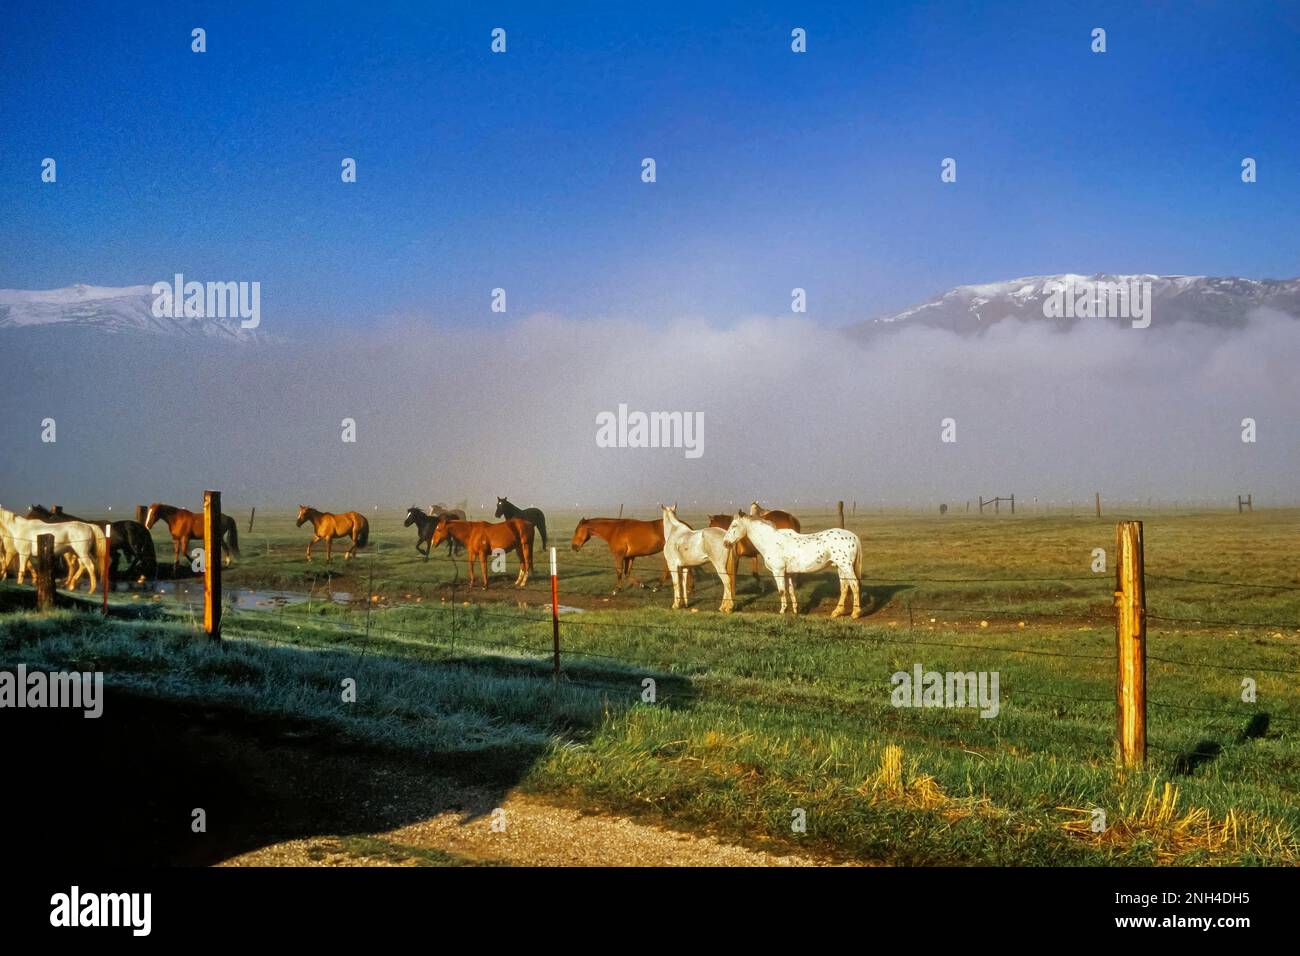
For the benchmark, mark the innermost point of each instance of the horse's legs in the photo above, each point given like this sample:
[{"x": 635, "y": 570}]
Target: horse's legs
[
  {"x": 857, "y": 597},
  {"x": 309, "y": 544},
  {"x": 727, "y": 592},
  {"x": 779, "y": 577},
  {"x": 758, "y": 578},
  {"x": 844, "y": 593},
  {"x": 483, "y": 562},
  {"x": 329, "y": 547},
  {"x": 794, "y": 597}
]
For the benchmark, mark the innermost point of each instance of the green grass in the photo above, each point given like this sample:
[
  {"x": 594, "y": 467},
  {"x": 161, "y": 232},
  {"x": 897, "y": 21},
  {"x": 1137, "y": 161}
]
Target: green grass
[{"x": 758, "y": 715}]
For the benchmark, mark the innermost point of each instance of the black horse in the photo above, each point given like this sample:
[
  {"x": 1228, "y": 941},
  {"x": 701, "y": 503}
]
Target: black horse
[
  {"x": 425, "y": 525},
  {"x": 533, "y": 515},
  {"x": 129, "y": 541}
]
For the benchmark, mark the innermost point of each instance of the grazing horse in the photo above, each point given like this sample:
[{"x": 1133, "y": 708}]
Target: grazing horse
[
  {"x": 533, "y": 516},
  {"x": 628, "y": 539},
  {"x": 84, "y": 540},
  {"x": 326, "y": 526},
  {"x": 788, "y": 552},
  {"x": 686, "y": 548},
  {"x": 482, "y": 538},
  {"x": 743, "y": 548},
  {"x": 130, "y": 541},
  {"x": 184, "y": 524},
  {"x": 424, "y": 527}
]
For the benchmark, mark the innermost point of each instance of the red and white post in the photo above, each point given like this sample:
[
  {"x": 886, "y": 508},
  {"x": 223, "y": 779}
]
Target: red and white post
[{"x": 555, "y": 612}]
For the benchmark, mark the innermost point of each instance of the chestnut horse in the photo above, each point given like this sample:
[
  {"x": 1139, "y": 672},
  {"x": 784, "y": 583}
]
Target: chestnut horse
[
  {"x": 482, "y": 538},
  {"x": 326, "y": 527},
  {"x": 745, "y": 548},
  {"x": 184, "y": 525},
  {"x": 425, "y": 525},
  {"x": 628, "y": 539}
]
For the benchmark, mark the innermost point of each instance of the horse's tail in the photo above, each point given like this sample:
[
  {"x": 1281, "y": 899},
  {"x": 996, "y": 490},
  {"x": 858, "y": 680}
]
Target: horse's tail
[
  {"x": 99, "y": 553},
  {"x": 857, "y": 562},
  {"x": 363, "y": 531},
  {"x": 232, "y": 530},
  {"x": 541, "y": 526}
]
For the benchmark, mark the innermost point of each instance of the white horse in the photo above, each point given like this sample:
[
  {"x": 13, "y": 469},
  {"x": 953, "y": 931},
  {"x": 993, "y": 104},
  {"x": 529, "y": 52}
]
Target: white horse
[
  {"x": 686, "y": 548},
  {"x": 788, "y": 552},
  {"x": 84, "y": 540}
]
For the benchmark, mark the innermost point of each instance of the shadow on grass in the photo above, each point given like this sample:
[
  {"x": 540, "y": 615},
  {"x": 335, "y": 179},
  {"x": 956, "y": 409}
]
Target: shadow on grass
[
  {"x": 123, "y": 789},
  {"x": 1206, "y": 750}
]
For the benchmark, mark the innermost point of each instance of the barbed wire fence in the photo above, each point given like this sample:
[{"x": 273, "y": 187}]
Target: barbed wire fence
[{"x": 622, "y": 673}]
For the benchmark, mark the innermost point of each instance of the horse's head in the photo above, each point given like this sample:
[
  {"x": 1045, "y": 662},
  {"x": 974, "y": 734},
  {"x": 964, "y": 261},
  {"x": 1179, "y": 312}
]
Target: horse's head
[
  {"x": 36, "y": 511},
  {"x": 440, "y": 532},
  {"x": 411, "y": 515},
  {"x": 581, "y": 534},
  {"x": 151, "y": 515},
  {"x": 736, "y": 530},
  {"x": 302, "y": 515},
  {"x": 755, "y": 509},
  {"x": 501, "y": 507}
]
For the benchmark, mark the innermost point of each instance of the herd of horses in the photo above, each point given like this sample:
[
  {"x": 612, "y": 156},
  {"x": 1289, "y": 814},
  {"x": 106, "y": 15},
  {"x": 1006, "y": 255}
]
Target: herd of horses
[{"x": 770, "y": 536}]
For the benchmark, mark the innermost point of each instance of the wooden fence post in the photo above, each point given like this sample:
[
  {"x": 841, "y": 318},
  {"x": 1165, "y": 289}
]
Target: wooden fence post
[
  {"x": 44, "y": 572},
  {"x": 1130, "y": 645},
  {"x": 1099, "y": 504},
  {"x": 841, "y": 511},
  {"x": 212, "y": 564},
  {"x": 251, "y": 515},
  {"x": 555, "y": 613},
  {"x": 1013, "y": 504}
]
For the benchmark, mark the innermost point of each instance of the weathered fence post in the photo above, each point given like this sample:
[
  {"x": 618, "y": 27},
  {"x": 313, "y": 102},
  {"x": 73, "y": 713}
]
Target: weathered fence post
[
  {"x": 44, "y": 572},
  {"x": 555, "y": 613},
  {"x": 251, "y": 515},
  {"x": 108, "y": 564},
  {"x": 841, "y": 511},
  {"x": 1130, "y": 645},
  {"x": 1099, "y": 504},
  {"x": 1013, "y": 504},
  {"x": 212, "y": 564}
]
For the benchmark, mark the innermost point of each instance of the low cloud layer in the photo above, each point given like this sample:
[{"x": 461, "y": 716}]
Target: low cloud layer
[{"x": 794, "y": 414}]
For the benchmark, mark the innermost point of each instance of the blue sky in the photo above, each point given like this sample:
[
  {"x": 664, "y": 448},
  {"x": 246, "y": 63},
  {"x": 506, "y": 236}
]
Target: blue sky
[{"x": 775, "y": 170}]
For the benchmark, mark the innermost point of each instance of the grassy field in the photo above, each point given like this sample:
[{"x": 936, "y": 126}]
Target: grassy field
[{"x": 757, "y": 716}]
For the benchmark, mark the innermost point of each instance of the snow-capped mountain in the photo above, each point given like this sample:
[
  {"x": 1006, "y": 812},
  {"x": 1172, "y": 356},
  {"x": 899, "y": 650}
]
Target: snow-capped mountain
[
  {"x": 123, "y": 310},
  {"x": 1207, "y": 299}
]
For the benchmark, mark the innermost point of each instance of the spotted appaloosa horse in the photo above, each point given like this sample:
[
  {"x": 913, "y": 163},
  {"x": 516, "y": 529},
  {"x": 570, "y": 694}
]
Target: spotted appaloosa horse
[
  {"x": 743, "y": 549},
  {"x": 789, "y": 552}
]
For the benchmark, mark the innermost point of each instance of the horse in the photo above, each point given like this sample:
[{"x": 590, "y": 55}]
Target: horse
[
  {"x": 481, "y": 538},
  {"x": 129, "y": 541},
  {"x": 184, "y": 524},
  {"x": 424, "y": 527},
  {"x": 628, "y": 539},
  {"x": 533, "y": 516},
  {"x": 786, "y": 552},
  {"x": 84, "y": 540},
  {"x": 456, "y": 514},
  {"x": 326, "y": 526},
  {"x": 743, "y": 548},
  {"x": 686, "y": 548}
]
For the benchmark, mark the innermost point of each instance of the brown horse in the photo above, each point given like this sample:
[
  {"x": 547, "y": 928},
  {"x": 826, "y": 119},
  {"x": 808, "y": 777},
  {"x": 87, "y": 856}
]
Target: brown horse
[
  {"x": 628, "y": 539},
  {"x": 745, "y": 549},
  {"x": 482, "y": 538},
  {"x": 326, "y": 527},
  {"x": 184, "y": 525}
]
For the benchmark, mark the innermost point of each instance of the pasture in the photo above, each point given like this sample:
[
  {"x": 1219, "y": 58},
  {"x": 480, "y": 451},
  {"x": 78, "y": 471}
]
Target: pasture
[{"x": 756, "y": 716}]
